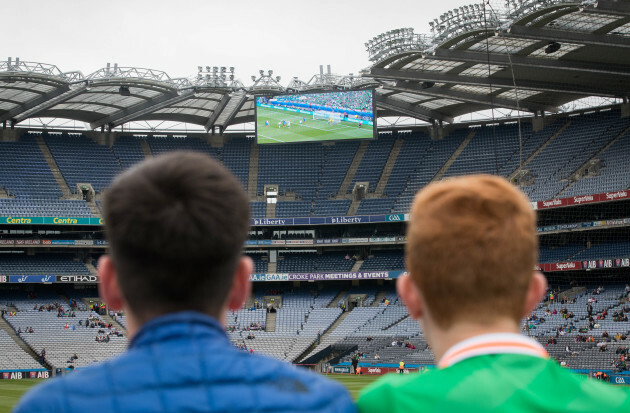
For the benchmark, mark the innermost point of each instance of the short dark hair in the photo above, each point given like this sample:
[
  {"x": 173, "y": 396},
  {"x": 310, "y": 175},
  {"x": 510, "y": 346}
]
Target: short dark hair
[{"x": 176, "y": 226}]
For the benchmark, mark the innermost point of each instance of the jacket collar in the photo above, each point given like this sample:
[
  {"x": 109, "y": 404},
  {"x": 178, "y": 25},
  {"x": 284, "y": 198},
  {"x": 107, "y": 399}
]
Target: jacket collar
[
  {"x": 497, "y": 343},
  {"x": 189, "y": 324}
]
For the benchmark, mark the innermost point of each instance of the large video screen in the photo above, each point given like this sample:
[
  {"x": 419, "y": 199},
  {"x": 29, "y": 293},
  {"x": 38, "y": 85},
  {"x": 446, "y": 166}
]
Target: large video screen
[{"x": 313, "y": 117}]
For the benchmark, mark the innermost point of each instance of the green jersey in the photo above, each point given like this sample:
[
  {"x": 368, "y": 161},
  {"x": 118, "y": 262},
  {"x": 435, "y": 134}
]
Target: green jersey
[{"x": 504, "y": 382}]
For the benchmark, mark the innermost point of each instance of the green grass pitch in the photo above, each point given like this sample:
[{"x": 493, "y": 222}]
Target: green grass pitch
[
  {"x": 311, "y": 130},
  {"x": 353, "y": 383},
  {"x": 12, "y": 390}
]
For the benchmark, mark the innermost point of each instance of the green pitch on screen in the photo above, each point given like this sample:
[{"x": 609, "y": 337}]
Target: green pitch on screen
[{"x": 309, "y": 131}]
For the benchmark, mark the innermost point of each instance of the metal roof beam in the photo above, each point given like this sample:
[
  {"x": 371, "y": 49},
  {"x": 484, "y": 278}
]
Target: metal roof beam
[
  {"x": 134, "y": 112},
  {"x": 515, "y": 60},
  {"x": 217, "y": 112},
  {"x": 542, "y": 33},
  {"x": 492, "y": 101},
  {"x": 542, "y": 86},
  {"x": 408, "y": 109},
  {"x": 34, "y": 106},
  {"x": 239, "y": 105}
]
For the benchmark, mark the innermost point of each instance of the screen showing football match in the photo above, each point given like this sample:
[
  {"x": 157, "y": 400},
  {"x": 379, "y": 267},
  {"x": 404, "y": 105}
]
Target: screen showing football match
[{"x": 315, "y": 117}]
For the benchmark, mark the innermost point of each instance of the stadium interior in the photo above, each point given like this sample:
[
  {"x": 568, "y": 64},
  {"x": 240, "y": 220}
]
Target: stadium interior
[{"x": 328, "y": 218}]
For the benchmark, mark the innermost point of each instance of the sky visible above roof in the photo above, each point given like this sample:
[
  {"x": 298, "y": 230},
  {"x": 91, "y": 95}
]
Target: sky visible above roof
[{"x": 291, "y": 38}]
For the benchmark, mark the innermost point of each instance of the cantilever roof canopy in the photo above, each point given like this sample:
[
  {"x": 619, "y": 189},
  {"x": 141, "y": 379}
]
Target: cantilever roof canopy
[
  {"x": 533, "y": 55},
  {"x": 114, "y": 95}
]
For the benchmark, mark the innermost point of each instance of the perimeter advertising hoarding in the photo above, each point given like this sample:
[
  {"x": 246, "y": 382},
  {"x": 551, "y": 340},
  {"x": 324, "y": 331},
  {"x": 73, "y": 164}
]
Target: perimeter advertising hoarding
[{"x": 315, "y": 117}]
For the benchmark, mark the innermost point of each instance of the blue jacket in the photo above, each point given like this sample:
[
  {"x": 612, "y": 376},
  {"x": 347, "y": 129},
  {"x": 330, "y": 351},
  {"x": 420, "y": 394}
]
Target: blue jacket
[{"x": 184, "y": 362}]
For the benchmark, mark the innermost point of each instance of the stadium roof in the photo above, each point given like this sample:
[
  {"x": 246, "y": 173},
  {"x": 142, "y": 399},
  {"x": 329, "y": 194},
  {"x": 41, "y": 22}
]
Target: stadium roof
[{"x": 532, "y": 55}]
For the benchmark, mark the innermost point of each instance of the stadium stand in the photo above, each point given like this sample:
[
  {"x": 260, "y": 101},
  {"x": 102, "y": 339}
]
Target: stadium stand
[
  {"x": 42, "y": 264},
  {"x": 128, "y": 151},
  {"x": 81, "y": 160},
  {"x": 373, "y": 161}
]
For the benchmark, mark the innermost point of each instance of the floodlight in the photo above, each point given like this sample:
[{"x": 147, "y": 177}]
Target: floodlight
[
  {"x": 200, "y": 69},
  {"x": 231, "y": 77},
  {"x": 231, "y": 69},
  {"x": 278, "y": 78},
  {"x": 253, "y": 78},
  {"x": 270, "y": 72},
  {"x": 207, "y": 68},
  {"x": 223, "y": 69},
  {"x": 262, "y": 72}
]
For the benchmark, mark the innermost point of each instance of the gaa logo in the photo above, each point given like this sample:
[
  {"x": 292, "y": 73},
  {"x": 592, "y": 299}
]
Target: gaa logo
[{"x": 620, "y": 380}]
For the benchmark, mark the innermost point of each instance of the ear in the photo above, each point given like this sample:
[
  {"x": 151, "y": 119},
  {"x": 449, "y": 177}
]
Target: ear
[
  {"x": 535, "y": 292},
  {"x": 410, "y": 295},
  {"x": 108, "y": 283},
  {"x": 241, "y": 286}
]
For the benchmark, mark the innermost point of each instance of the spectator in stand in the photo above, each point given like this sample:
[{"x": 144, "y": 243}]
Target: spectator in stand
[
  {"x": 176, "y": 226},
  {"x": 470, "y": 253}
]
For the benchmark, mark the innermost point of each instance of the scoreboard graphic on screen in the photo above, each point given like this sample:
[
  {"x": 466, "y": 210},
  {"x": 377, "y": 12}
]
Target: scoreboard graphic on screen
[{"x": 312, "y": 117}]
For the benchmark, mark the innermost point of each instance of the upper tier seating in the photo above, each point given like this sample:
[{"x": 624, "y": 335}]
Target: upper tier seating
[
  {"x": 41, "y": 264},
  {"x": 81, "y": 160},
  {"x": 24, "y": 172},
  {"x": 373, "y": 161},
  {"x": 128, "y": 150}
]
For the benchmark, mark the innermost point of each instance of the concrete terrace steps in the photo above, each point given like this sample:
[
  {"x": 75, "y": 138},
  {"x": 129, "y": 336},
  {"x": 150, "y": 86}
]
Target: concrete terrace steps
[
  {"x": 537, "y": 151},
  {"x": 146, "y": 149},
  {"x": 21, "y": 343},
  {"x": 324, "y": 338},
  {"x": 597, "y": 155},
  {"x": 54, "y": 168},
  {"x": 272, "y": 267},
  {"x": 354, "y": 207},
  {"x": 388, "y": 168},
  {"x": 379, "y": 296},
  {"x": 110, "y": 320},
  {"x": 357, "y": 265},
  {"x": 339, "y": 296},
  {"x": 270, "y": 322},
  {"x": 270, "y": 211},
  {"x": 454, "y": 156},
  {"x": 94, "y": 208},
  {"x": 352, "y": 170},
  {"x": 252, "y": 180},
  {"x": 3, "y": 193},
  {"x": 396, "y": 322}
]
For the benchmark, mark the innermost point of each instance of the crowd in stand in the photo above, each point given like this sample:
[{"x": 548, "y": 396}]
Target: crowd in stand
[
  {"x": 402, "y": 343},
  {"x": 360, "y": 100}
]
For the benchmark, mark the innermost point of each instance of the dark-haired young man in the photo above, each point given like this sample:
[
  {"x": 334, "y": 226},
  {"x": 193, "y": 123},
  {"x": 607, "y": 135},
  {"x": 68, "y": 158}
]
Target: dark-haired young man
[
  {"x": 471, "y": 250},
  {"x": 176, "y": 226}
]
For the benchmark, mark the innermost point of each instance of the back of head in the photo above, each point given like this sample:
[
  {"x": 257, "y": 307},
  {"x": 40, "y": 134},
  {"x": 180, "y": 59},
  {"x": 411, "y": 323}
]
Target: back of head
[
  {"x": 471, "y": 249},
  {"x": 176, "y": 225}
]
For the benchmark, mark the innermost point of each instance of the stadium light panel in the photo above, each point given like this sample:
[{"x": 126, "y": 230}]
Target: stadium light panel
[
  {"x": 552, "y": 47},
  {"x": 124, "y": 91}
]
